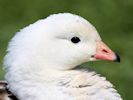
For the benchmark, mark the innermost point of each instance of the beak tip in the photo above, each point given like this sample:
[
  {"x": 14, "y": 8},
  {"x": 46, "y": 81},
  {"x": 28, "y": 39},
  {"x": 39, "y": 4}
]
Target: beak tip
[{"x": 117, "y": 58}]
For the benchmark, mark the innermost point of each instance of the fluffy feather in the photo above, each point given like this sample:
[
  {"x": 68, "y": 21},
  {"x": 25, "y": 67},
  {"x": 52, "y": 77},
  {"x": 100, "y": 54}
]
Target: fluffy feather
[{"x": 41, "y": 60}]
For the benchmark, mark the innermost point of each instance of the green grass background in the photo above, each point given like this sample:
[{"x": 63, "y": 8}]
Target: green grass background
[{"x": 112, "y": 18}]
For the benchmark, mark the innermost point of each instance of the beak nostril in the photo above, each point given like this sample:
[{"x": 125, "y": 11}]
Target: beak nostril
[{"x": 105, "y": 51}]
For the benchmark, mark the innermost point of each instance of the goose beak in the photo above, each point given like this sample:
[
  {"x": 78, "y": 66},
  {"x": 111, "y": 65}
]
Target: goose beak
[{"x": 103, "y": 52}]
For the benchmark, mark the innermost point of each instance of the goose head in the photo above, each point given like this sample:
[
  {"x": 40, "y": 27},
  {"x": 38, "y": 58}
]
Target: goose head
[
  {"x": 41, "y": 53},
  {"x": 61, "y": 41}
]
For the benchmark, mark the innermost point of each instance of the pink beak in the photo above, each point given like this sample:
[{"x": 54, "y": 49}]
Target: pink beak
[{"x": 103, "y": 52}]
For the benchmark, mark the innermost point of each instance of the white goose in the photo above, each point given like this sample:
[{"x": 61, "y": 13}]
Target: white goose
[{"x": 42, "y": 58}]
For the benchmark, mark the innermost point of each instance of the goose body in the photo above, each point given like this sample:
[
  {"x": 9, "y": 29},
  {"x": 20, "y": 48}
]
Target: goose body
[{"x": 42, "y": 58}]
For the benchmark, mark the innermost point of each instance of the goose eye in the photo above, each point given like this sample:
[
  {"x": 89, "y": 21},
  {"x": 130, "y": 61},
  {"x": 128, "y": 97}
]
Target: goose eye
[{"x": 75, "y": 39}]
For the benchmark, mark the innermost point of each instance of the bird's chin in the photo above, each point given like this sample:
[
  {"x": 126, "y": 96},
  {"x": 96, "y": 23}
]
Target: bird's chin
[{"x": 92, "y": 59}]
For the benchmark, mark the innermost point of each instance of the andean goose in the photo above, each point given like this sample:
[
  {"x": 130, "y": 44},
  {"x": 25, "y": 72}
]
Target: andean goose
[{"x": 42, "y": 58}]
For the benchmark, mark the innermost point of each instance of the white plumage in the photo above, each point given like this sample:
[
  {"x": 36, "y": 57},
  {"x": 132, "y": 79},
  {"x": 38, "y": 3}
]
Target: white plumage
[{"x": 41, "y": 61}]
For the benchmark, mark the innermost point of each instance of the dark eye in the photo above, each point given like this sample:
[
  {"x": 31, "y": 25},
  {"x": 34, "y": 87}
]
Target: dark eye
[{"x": 75, "y": 39}]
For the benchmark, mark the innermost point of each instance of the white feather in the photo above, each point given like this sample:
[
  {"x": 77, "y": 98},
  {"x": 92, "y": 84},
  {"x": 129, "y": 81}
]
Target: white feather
[{"x": 41, "y": 57}]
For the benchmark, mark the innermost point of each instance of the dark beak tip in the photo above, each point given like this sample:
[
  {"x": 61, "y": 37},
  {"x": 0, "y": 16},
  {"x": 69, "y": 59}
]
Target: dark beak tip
[{"x": 117, "y": 58}]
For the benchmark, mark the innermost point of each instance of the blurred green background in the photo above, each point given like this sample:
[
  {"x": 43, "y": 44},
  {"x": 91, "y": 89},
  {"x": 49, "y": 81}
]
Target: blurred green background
[{"x": 112, "y": 18}]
